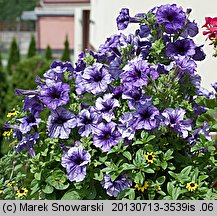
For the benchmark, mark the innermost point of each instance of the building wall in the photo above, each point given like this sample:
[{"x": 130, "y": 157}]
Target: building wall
[
  {"x": 52, "y": 30},
  {"x": 103, "y": 24}
]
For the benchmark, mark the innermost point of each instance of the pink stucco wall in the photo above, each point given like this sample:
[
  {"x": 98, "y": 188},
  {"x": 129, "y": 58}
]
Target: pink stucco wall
[{"x": 52, "y": 30}]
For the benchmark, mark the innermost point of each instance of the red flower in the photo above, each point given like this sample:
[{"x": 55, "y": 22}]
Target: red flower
[{"x": 211, "y": 25}]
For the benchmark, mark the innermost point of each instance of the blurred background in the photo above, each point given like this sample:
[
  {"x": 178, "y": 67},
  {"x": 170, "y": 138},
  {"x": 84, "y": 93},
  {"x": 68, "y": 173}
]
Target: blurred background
[{"x": 33, "y": 33}]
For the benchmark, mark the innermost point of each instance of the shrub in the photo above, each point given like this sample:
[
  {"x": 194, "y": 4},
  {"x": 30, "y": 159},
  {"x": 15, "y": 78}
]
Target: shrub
[
  {"x": 14, "y": 56},
  {"x": 66, "y": 51},
  {"x": 32, "y": 48}
]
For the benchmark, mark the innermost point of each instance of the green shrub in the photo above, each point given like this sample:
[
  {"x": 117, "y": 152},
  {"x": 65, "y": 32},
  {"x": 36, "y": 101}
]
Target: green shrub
[
  {"x": 14, "y": 56},
  {"x": 48, "y": 53},
  {"x": 66, "y": 51},
  {"x": 32, "y": 47}
]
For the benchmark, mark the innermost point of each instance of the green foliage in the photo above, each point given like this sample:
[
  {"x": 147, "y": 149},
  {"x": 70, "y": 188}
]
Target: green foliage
[
  {"x": 11, "y": 9},
  {"x": 14, "y": 56},
  {"x": 32, "y": 48},
  {"x": 48, "y": 53},
  {"x": 0, "y": 59},
  {"x": 66, "y": 51}
]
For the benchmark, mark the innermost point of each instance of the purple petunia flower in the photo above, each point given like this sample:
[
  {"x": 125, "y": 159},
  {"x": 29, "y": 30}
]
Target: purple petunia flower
[
  {"x": 113, "y": 188},
  {"x": 55, "y": 95},
  {"x": 60, "y": 123},
  {"x": 127, "y": 126},
  {"x": 95, "y": 79},
  {"x": 33, "y": 104},
  {"x": 191, "y": 30},
  {"x": 146, "y": 117},
  {"x": 114, "y": 68},
  {"x": 123, "y": 19},
  {"x": 185, "y": 64},
  {"x": 195, "y": 135},
  {"x": 111, "y": 44},
  {"x": 174, "y": 119},
  {"x": 27, "y": 143},
  {"x": 183, "y": 47},
  {"x": 105, "y": 136},
  {"x": 28, "y": 122},
  {"x": 63, "y": 65},
  {"x": 87, "y": 120},
  {"x": 137, "y": 73},
  {"x": 75, "y": 161},
  {"x": 172, "y": 17},
  {"x": 199, "y": 54},
  {"x": 144, "y": 31},
  {"x": 106, "y": 106},
  {"x": 135, "y": 98},
  {"x": 118, "y": 92},
  {"x": 56, "y": 71},
  {"x": 214, "y": 85}
]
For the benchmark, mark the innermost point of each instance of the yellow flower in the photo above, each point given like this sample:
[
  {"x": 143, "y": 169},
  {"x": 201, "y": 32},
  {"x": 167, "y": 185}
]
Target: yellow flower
[
  {"x": 1, "y": 191},
  {"x": 150, "y": 157},
  {"x": 9, "y": 184},
  {"x": 157, "y": 187},
  {"x": 191, "y": 186},
  {"x": 7, "y": 133},
  {"x": 142, "y": 188},
  {"x": 14, "y": 113},
  {"x": 22, "y": 192}
]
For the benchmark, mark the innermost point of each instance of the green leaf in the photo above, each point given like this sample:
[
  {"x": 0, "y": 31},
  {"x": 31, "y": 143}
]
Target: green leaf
[
  {"x": 168, "y": 155},
  {"x": 98, "y": 176},
  {"x": 139, "y": 178},
  {"x": 91, "y": 193},
  {"x": 186, "y": 171},
  {"x": 71, "y": 195},
  {"x": 58, "y": 179},
  {"x": 149, "y": 170},
  {"x": 161, "y": 180},
  {"x": 35, "y": 189},
  {"x": 37, "y": 176},
  {"x": 138, "y": 142},
  {"x": 164, "y": 165},
  {"x": 128, "y": 155},
  {"x": 170, "y": 188},
  {"x": 151, "y": 137},
  {"x": 175, "y": 193},
  {"x": 17, "y": 167},
  {"x": 48, "y": 189}
]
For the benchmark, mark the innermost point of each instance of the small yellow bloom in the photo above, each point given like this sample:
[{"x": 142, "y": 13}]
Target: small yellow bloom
[
  {"x": 9, "y": 184},
  {"x": 191, "y": 186},
  {"x": 1, "y": 191},
  {"x": 22, "y": 192},
  {"x": 7, "y": 133},
  {"x": 157, "y": 187},
  {"x": 142, "y": 188},
  {"x": 14, "y": 113},
  {"x": 150, "y": 157}
]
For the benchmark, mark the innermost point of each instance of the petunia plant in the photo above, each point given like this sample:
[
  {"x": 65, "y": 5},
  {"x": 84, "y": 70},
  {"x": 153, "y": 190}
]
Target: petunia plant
[{"x": 123, "y": 123}]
